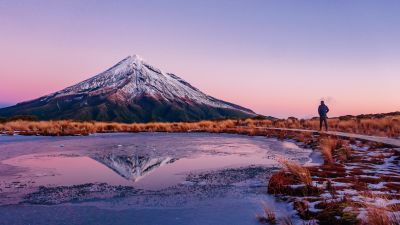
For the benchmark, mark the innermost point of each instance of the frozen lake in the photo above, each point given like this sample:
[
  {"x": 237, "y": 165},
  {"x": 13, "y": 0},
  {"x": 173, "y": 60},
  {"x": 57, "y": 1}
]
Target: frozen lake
[{"x": 143, "y": 178}]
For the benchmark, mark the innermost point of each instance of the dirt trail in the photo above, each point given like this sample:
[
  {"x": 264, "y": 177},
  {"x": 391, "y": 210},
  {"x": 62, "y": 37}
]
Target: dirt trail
[{"x": 384, "y": 140}]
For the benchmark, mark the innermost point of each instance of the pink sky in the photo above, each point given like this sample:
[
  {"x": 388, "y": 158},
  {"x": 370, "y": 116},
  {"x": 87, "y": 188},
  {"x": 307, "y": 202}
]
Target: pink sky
[
  {"x": 268, "y": 90},
  {"x": 271, "y": 57}
]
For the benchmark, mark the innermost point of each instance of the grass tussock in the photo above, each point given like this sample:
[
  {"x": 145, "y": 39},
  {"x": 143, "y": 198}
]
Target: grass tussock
[
  {"x": 301, "y": 174},
  {"x": 268, "y": 216},
  {"x": 328, "y": 145},
  {"x": 335, "y": 149},
  {"x": 382, "y": 215},
  {"x": 293, "y": 180}
]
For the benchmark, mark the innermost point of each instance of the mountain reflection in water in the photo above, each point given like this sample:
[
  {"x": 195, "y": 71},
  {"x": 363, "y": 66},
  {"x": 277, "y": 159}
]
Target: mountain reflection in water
[{"x": 132, "y": 167}]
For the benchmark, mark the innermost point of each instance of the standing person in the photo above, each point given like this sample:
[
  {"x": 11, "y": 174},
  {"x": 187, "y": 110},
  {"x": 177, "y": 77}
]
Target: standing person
[{"x": 322, "y": 111}]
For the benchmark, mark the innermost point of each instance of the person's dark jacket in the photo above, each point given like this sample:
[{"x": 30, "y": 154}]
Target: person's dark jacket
[{"x": 323, "y": 110}]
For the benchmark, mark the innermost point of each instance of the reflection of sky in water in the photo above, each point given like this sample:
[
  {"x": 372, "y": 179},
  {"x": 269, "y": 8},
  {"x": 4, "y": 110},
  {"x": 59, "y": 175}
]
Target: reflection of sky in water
[
  {"x": 149, "y": 161},
  {"x": 144, "y": 160},
  {"x": 65, "y": 170},
  {"x": 144, "y": 173}
]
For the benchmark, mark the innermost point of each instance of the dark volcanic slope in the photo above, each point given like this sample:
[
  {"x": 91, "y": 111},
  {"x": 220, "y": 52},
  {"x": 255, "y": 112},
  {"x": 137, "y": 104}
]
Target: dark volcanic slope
[{"x": 130, "y": 91}]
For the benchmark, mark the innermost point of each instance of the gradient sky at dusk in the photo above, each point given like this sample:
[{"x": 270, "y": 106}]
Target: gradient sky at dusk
[{"x": 278, "y": 57}]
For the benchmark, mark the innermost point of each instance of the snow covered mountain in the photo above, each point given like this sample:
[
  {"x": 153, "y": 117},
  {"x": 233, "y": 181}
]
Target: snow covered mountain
[{"x": 130, "y": 91}]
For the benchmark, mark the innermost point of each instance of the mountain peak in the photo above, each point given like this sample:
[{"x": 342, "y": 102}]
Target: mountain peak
[
  {"x": 133, "y": 58},
  {"x": 130, "y": 91},
  {"x": 130, "y": 62}
]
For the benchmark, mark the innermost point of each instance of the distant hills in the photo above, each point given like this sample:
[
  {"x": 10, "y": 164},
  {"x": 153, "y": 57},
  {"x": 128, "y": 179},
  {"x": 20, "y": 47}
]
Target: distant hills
[
  {"x": 130, "y": 91},
  {"x": 3, "y": 104},
  {"x": 365, "y": 116}
]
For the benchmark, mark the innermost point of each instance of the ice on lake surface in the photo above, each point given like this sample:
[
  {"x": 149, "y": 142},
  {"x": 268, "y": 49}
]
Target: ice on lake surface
[{"x": 142, "y": 178}]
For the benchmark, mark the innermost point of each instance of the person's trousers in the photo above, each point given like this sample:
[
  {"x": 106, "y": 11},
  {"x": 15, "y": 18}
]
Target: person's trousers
[{"x": 325, "y": 121}]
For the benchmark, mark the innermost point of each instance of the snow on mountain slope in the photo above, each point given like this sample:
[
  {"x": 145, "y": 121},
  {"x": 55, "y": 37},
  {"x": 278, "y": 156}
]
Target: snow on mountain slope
[
  {"x": 134, "y": 78},
  {"x": 130, "y": 91}
]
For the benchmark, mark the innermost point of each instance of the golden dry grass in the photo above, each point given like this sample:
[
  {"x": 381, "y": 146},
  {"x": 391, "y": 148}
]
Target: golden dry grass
[
  {"x": 382, "y": 216},
  {"x": 382, "y": 213},
  {"x": 334, "y": 148},
  {"x": 327, "y": 146},
  {"x": 68, "y": 127},
  {"x": 302, "y": 174},
  {"x": 269, "y": 215},
  {"x": 379, "y": 126},
  {"x": 386, "y": 126}
]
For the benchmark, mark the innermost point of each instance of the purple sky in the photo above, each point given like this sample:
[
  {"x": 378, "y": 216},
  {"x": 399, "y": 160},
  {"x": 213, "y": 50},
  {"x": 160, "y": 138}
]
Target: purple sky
[{"x": 278, "y": 58}]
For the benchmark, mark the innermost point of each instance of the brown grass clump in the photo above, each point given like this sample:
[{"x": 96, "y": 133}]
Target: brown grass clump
[
  {"x": 344, "y": 153},
  {"x": 333, "y": 148},
  {"x": 302, "y": 208},
  {"x": 381, "y": 216},
  {"x": 377, "y": 214},
  {"x": 332, "y": 212},
  {"x": 268, "y": 216},
  {"x": 293, "y": 180},
  {"x": 301, "y": 174},
  {"x": 327, "y": 146},
  {"x": 279, "y": 183},
  {"x": 395, "y": 213}
]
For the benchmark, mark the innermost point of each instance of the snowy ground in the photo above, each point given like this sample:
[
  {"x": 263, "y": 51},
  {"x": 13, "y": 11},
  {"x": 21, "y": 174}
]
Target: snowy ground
[{"x": 364, "y": 175}]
